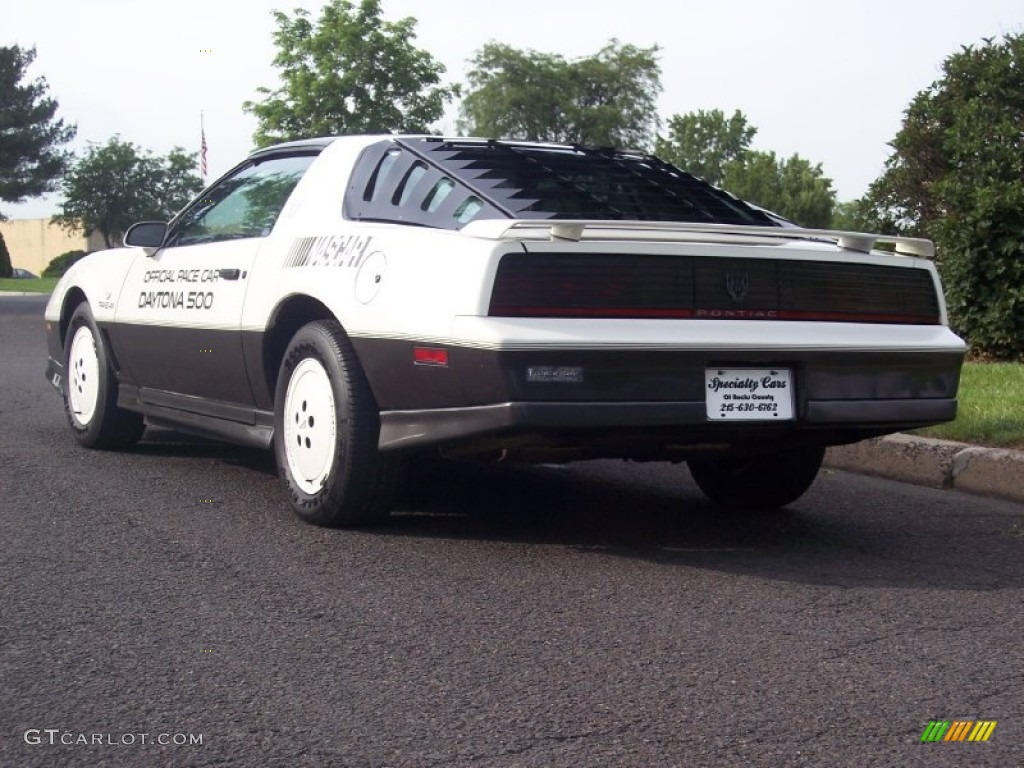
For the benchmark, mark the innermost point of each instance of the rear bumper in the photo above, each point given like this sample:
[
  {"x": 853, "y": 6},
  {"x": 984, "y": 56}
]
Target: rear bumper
[
  {"x": 641, "y": 387},
  {"x": 638, "y": 428}
]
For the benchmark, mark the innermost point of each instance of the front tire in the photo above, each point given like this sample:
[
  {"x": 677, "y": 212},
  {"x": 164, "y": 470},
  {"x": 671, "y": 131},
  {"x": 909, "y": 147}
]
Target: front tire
[
  {"x": 326, "y": 427},
  {"x": 758, "y": 482},
  {"x": 90, "y": 388}
]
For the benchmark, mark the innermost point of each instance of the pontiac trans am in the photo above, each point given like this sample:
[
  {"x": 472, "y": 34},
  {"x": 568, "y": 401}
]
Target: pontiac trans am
[{"x": 356, "y": 303}]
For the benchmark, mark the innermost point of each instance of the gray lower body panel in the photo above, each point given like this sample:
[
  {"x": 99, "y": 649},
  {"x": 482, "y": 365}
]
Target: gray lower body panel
[
  {"x": 626, "y": 402},
  {"x": 55, "y": 373},
  {"x": 200, "y": 416},
  {"x": 682, "y": 424}
]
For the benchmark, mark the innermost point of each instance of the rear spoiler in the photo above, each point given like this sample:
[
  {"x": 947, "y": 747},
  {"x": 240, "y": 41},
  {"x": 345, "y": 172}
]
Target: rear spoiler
[{"x": 673, "y": 231}]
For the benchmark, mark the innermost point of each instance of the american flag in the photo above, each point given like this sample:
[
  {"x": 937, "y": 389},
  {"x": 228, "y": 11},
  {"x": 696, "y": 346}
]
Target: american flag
[{"x": 202, "y": 150}]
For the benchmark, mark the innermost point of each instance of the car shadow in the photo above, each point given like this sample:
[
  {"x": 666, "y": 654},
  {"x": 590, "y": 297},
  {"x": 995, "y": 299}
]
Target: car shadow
[
  {"x": 167, "y": 443},
  {"x": 655, "y": 513},
  {"x": 644, "y": 512}
]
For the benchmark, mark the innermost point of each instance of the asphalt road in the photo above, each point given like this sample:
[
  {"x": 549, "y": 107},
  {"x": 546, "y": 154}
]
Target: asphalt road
[{"x": 597, "y": 615}]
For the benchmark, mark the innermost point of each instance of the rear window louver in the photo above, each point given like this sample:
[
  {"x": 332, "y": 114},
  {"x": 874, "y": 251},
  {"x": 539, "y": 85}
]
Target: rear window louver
[{"x": 517, "y": 180}]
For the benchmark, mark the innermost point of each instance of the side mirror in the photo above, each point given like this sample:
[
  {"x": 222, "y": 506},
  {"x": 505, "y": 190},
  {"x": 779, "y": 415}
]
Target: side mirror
[{"x": 146, "y": 234}]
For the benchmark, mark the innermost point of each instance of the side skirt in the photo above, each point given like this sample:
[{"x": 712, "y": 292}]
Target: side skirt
[{"x": 216, "y": 420}]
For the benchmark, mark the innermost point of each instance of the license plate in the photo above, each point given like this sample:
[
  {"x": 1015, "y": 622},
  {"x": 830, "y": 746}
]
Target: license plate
[{"x": 749, "y": 394}]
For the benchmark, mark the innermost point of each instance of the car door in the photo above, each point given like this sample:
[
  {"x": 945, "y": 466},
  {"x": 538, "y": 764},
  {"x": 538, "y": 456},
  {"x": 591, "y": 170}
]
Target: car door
[{"x": 178, "y": 320}]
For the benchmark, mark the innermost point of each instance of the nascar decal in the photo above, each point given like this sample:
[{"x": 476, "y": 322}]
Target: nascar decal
[
  {"x": 328, "y": 251},
  {"x": 169, "y": 298}
]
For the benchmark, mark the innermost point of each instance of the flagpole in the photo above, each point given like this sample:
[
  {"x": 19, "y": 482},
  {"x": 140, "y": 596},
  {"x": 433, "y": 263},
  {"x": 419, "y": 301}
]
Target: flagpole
[{"x": 202, "y": 147}]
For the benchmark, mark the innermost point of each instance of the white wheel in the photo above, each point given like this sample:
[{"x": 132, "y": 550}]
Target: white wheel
[
  {"x": 310, "y": 426},
  {"x": 83, "y": 376},
  {"x": 90, "y": 388},
  {"x": 326, "y": 428}
]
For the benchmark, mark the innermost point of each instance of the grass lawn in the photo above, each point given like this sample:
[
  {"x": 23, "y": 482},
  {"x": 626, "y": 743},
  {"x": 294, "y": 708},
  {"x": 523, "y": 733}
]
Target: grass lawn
[
  {"x": 991, "y": 408},
  {"x": 39, "y": 285}
]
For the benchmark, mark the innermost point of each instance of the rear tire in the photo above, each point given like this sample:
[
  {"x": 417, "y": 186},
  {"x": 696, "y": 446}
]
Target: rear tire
[
  {"x": 90, "y": 388},
  {"x": 326, "y": 427},
  {"x": 758, "y": 482}
]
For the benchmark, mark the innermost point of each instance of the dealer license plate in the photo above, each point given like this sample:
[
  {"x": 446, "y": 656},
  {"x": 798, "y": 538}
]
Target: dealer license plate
[{"x": 749, "y": 394}]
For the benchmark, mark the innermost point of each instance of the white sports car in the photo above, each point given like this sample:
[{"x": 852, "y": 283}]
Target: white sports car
[{"x": 354, "y": 302}]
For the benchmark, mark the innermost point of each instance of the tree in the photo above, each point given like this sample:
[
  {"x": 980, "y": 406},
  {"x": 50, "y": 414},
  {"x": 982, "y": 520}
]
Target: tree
[
  {"x": 31, "y": 138},
  {"x": 790, "y": 187},
  {"x": 607, "y": 99},
  {"x": 6, "y": 269},
  {"x": 717, "y": 149},
  {"x": 351, "y": 72},
  {"x": 703, "y": 143},
  {"x": 956, "y": 175},
  {"x": 856, "y": 216},
  {"x": 116, "y": 184},
  {"x": 178, "y": 181}
]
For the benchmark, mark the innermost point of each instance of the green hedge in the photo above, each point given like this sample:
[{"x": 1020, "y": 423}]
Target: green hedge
[{"x": 62, "y": 263}]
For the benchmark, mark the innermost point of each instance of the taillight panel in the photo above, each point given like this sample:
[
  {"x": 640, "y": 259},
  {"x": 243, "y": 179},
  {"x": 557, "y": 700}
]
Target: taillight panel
[{"x": 656, "y": 286}]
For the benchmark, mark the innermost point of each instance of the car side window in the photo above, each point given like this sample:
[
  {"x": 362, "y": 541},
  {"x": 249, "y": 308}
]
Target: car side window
[{"x": 246, "y": 204}]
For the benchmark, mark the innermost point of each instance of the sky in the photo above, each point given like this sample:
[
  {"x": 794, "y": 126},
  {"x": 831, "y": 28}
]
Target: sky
[{"x": 824, "y": 79}]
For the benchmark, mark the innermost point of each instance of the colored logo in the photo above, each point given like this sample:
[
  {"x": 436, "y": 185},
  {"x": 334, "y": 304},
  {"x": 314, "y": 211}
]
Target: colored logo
[{"x": 958, "y": 730}]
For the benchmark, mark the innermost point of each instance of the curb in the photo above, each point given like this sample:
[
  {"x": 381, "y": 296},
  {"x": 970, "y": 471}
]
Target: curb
[
  {"x": 22, "y": 293},
  {"x": 935, "y": 463}
]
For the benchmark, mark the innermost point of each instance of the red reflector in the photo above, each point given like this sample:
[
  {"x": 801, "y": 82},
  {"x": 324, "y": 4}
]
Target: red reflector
[{"x": 428, "y": 356}]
